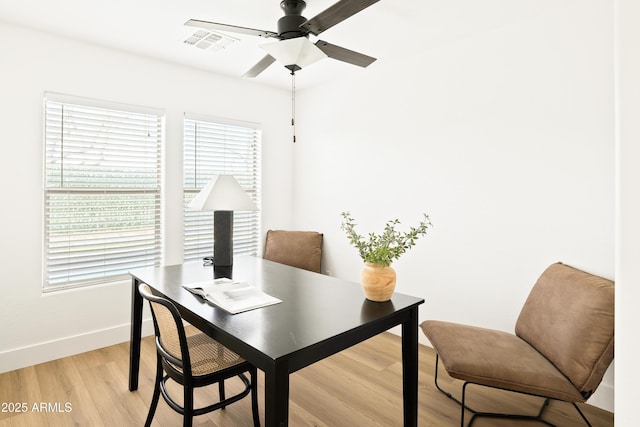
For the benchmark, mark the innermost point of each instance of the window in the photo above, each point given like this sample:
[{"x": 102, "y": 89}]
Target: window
[
  {"x": 211, "y": 147},
  {"x": 102, "y": 190}
]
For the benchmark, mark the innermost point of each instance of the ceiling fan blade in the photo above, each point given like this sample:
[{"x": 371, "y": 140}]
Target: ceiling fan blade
[
  {"x": 335, "y": 14},
  {"x": 344, "y": 55},
  {"x": 230, "y": 28},
  {"x": 260, "y": 66}
]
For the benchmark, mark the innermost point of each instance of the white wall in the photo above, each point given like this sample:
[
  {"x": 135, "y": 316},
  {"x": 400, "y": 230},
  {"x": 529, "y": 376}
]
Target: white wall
[
  {"x": 37, "y": 327},
  {"x": 628, "y": 209},
  {"x": 505, "y": 138}
]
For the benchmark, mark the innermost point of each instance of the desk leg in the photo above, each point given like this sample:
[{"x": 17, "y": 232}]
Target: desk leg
[
  {"x": 410, "y": 369},
  {"x": 136, "y": 335},
  {"x": 276, "y": 396}
]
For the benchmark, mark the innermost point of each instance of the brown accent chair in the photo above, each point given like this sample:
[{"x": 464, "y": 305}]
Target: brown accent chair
[
  {"x": 562, "y": 346},
  {"x": 302, "y": 249},
  {"x": 193, "y": 361}
]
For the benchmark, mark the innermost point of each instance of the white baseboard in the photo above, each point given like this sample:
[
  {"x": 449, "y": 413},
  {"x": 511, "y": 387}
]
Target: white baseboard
[{"x": 51, "y": 350}]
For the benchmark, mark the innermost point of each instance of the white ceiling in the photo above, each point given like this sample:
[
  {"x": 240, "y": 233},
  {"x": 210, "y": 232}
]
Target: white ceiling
[{"x": 389, "y": 30}]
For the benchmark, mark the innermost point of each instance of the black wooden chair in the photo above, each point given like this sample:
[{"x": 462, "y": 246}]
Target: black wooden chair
[{"x": 193, "y": 361}]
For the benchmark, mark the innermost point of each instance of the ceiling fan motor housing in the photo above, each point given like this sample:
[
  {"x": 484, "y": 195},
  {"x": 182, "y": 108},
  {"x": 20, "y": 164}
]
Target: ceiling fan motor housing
[
  {"x": 294, "y": 49},
  {"x": 289, "y": 24}
]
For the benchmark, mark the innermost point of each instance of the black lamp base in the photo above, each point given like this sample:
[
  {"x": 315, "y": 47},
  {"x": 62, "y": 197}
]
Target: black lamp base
[
  {"x": 220, "y": 272},
  {"x": 222, "y": 239}
]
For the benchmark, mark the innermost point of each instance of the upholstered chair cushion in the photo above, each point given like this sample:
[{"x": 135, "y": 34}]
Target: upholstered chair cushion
[
  {"x": 569, "y": 318},
  {"x": 497, "y": 359},
  {"x": 302, "y": 249}
]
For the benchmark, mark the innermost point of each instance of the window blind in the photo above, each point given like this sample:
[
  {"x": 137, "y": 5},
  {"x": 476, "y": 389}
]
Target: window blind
[
  {"x": 212, "y": 147},
  {"x": 102, "y": 191}
]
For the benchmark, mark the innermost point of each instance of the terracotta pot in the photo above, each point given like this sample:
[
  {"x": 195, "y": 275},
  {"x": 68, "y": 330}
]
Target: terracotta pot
[{"x": 378, "y": 283}]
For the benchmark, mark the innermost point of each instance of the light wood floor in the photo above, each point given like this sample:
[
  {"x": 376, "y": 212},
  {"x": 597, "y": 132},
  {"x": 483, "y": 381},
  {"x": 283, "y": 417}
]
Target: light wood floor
[{"x": 361, "y": 386}]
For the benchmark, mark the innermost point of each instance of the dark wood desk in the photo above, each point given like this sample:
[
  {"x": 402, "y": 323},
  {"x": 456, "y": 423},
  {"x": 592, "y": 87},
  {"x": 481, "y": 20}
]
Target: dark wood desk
[{"x": 319, "y": 316}]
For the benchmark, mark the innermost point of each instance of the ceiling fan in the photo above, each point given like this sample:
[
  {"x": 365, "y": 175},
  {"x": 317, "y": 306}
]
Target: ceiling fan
[{"x": 294, "y": 49}]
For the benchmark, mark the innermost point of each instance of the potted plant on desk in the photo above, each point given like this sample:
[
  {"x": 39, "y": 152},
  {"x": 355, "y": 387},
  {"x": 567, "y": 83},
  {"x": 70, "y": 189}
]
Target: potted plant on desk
[{"x": 378, "y": 251}]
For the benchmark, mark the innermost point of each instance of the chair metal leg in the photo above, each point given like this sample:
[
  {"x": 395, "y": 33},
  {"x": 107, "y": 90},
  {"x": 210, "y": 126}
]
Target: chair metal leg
[
  {"x": 479, "y": 414},
  {"x": 463, "y": 405}
]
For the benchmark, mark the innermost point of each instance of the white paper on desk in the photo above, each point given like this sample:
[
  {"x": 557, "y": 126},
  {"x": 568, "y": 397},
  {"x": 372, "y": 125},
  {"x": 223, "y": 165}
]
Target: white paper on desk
[{"x": 234, "y": 297}]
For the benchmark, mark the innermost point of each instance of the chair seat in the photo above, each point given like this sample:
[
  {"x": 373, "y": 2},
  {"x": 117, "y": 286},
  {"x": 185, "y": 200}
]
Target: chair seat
[
  {"x": 209, "y": 356},
  {"x": 497, "y": 359}
]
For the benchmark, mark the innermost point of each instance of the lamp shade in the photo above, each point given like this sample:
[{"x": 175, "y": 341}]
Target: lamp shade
[
  {"x": 298, "y": 51},
  {"x": 223, "y": 193}
]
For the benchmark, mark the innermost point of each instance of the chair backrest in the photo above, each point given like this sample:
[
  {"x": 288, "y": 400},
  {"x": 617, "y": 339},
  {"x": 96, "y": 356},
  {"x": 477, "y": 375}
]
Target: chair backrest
[
  {"x": 170, "y": 335},
  {"x": 302, "y": 249},
  {"x": 569, "y": 318}
]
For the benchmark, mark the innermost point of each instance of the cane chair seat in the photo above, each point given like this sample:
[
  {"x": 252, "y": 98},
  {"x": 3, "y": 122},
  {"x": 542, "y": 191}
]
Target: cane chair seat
[{"x": 209, "y": 356}]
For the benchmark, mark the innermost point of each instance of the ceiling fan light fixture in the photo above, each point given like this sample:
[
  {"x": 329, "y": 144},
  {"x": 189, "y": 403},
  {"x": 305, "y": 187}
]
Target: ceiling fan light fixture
[{"x": 298, "y": 52}]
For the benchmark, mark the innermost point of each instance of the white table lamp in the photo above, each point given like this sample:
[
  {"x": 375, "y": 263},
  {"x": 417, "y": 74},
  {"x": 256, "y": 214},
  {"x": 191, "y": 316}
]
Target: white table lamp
[{"x": 223, "y": 195}]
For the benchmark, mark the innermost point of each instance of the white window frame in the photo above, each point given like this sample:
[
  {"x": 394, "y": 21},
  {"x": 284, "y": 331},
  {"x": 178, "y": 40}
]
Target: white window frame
[
  {"x": 96, "y": 151},
  {"x": 214, "y": 146}
]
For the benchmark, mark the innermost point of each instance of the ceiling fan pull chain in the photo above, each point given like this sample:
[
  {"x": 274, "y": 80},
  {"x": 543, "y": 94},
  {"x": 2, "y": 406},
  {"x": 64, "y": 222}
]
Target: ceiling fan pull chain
[{"x": 293, "y": 104}]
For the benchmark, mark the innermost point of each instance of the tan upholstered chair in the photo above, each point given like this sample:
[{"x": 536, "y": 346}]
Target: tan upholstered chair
[
  {"x": 193, "y": 361},
  {"x": 562, "y": 346},
  {"x": 302, "y": 249}
]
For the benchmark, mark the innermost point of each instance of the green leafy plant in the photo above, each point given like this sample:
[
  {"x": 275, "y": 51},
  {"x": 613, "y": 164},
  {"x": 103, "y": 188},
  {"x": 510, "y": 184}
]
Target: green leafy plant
[{"x": 382, "y": 249}]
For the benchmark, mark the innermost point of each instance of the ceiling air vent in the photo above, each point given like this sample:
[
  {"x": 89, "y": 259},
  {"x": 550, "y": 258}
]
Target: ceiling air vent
[{"x": 209, "y": 40}]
